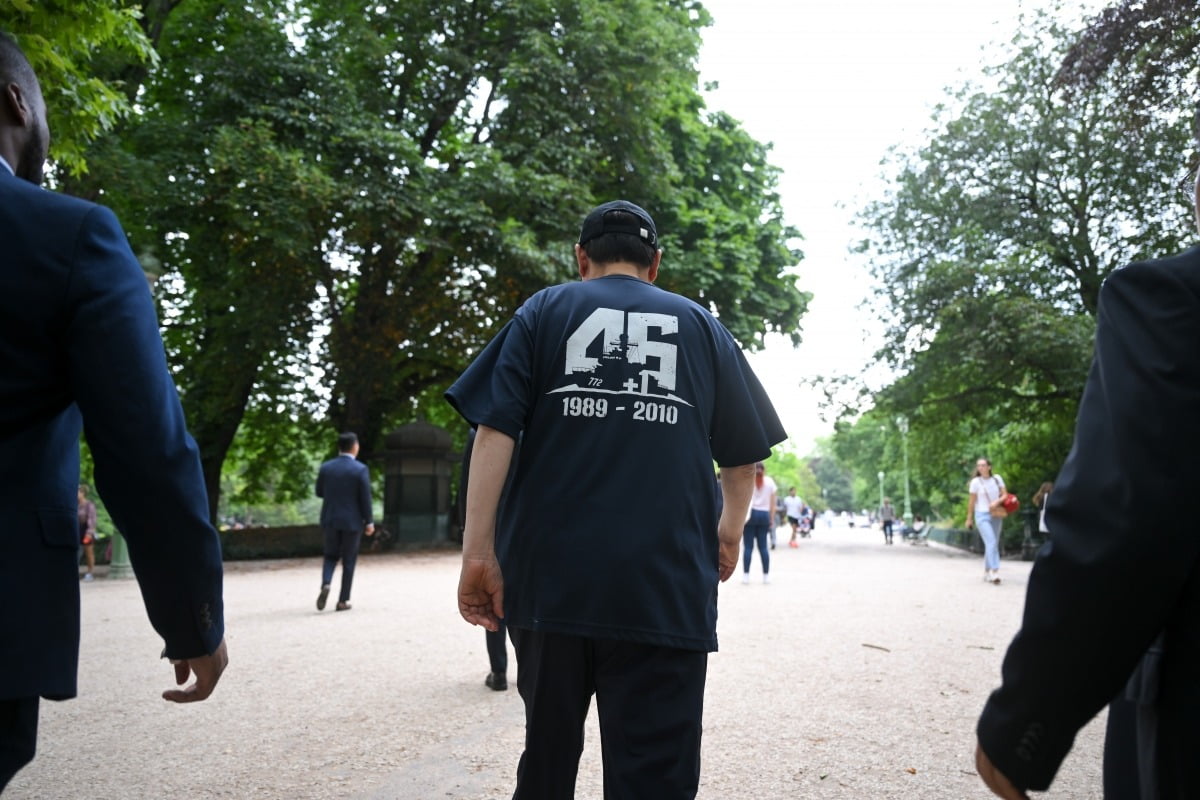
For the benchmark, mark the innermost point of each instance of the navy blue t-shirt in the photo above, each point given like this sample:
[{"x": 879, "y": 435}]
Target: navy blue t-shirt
[{"x": 625, "y": 394}]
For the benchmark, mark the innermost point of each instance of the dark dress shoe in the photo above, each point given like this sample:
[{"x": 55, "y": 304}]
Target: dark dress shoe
[
  {"x": 322, "y": 597},
  {"x": 343, "y": 606},
  {"x": 496, "y": 681}
]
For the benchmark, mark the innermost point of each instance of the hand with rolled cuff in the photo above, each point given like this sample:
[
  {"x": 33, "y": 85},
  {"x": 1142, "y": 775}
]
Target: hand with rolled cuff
[
  {"x": 995, "y": 780},
  {"x": 207, "y": 670}
]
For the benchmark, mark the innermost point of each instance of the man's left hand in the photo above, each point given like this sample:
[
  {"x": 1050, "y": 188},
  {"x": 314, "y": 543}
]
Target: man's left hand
[
  {"x": 207, "y": 670},
  {"x": 1000, "y": 785},
  {"x": 729, "y": 539}
]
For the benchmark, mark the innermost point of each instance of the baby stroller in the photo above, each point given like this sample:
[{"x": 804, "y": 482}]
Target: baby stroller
[{"x": 805, "y": 526}]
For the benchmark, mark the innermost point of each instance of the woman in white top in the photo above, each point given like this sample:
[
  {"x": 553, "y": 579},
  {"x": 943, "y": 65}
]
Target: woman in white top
[
  {"x": 985, "y": 489},
  {"x": 762, "y": 509}
]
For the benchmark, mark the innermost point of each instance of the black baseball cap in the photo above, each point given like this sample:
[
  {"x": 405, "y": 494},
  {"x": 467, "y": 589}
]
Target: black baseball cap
[{"x": 598, "y": 223}]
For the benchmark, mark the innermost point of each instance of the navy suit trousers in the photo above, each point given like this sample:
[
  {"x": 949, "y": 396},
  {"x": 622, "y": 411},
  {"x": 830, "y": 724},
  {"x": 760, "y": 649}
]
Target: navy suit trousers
[
  {"x": 18, "y": 736},
  {"x": 340, "y": 545}
]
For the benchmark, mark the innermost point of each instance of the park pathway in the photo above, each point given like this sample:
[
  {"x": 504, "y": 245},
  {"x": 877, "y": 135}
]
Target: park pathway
[{"x": 858, "y": 673}]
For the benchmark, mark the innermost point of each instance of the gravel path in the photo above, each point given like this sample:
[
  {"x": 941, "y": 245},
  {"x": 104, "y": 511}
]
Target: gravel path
[{"x": 857, "y": 673}]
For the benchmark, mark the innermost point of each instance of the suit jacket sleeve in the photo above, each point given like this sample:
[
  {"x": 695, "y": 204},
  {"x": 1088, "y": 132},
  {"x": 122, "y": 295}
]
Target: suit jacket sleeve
[
  {"x": 147, "y": 467},
  {"x": 364, "y": 495},
  {"x": 1121, "y": 551}
]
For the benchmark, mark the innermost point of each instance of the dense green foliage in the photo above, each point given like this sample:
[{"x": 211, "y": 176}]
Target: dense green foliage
[
  {"x": 341, "y": 202},
  {"x": 791, "y": 471},
  {"x": 70, "y": 43},
  {"x": 1148, "y": 47},
  {"x": 989, "y": 251}
]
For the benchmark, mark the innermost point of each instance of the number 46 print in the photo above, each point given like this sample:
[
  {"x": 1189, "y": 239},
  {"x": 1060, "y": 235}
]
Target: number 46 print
[{"x": 621, "y": 359}]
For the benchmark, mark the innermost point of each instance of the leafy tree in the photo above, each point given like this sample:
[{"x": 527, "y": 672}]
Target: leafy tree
[
  {"x": 791, "y": 471},
  {"x": 1148, "y": 47},
  {"x": 488, "y": 129},
  {"x": 235, "y": 221},
  {"x": 350, "y": 198},
  {"x": 68, "y": 42},
  {"x": 990, "y": 250},
  {"x": 834, "y": 479}
]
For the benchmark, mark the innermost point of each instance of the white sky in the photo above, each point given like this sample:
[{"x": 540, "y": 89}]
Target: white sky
[{"x": 833, "y": 84}]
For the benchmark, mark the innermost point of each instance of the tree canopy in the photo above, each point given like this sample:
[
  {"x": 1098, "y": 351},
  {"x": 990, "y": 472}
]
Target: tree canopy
[
  {"x": 70, "y": 45},
  {"x": 1148, "y": 45},
  {"x": 989, "y": 252},
  {"x": 341, "y": 201}
]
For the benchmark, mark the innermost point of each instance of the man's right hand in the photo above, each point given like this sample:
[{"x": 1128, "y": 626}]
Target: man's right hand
[
  {"x": 729, "y": 538},
  {"x": 481, "y": 592},
  {"x": 207, "y": 670}
]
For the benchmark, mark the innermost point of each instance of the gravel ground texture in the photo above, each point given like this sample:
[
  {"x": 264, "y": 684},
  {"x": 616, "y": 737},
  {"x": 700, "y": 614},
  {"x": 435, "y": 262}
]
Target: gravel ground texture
[{"x": 858, "y": 672}]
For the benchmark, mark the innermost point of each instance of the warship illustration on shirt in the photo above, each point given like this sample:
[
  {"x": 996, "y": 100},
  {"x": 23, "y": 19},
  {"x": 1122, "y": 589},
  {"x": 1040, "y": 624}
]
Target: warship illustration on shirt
[{"x": 626, "y": 359}]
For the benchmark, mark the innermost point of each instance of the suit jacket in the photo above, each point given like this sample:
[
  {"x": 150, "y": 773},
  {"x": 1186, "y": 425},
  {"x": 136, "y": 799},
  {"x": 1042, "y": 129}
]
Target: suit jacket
[
  {"x": 1123, "y": 562},
  {"x": 345, "y": 485},
  {"x": 80, "y": 348}
]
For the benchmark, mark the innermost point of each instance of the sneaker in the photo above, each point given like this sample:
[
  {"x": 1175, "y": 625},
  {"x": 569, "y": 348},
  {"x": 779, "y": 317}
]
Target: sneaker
[
  {"x": 88, "y": 578},
  {"x": 995, "y": 576},
  {"x": 745, "y": 577},
  {"x": 793, "y": 544},
  {"x": 496, "y": 681},
  {"x": 766, "y": 578}
]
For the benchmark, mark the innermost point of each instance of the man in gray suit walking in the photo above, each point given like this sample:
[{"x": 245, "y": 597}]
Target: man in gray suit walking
[{"x": 345, "y": 486}]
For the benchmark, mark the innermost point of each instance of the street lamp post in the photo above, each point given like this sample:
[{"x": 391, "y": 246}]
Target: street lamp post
[
  {"x": 902, "y": 424},
  {"x": 118, "y": 565}
]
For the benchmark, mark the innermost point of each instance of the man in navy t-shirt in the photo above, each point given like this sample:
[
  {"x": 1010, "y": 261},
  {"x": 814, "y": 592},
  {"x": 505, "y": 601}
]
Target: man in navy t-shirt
[{"x": 605, "y": 562}]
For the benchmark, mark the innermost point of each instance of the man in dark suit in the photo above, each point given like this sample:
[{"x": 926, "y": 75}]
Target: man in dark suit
[
  {"x": 1123, "y": 566},
  {"x": 80, "y": 348},
  {"x": 345, "y": 486}
]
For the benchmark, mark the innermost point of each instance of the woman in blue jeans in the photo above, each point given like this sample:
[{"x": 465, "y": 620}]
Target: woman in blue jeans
[
  {"x": 985, "y": 489},
  {"x": 762, "y": 508}
]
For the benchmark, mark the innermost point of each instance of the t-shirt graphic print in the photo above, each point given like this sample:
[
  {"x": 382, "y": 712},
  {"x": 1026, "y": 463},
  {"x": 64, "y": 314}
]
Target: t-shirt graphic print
[{"x": 615, "y": 357}]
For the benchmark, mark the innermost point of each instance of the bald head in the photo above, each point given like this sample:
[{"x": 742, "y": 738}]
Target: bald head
[{"x": 24, "y": 133}]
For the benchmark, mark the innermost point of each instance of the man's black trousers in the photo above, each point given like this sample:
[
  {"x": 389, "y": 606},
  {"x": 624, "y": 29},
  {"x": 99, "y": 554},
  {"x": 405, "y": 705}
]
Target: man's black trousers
[{"x": 649, "y": 700}]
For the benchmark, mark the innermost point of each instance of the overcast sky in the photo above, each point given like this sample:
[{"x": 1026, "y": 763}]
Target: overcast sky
[{"x": 833, "y": 84}]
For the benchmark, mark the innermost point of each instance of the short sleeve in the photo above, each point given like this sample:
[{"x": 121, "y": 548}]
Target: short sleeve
[
  {"x": 495, "y": 390},
  {"x": 744, "y": 425}
]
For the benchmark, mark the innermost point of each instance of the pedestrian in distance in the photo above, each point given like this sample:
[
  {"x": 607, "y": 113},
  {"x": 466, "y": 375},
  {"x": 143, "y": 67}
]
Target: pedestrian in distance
[
  {"x": 1112, "y": 609},
  {"x": 344, "y": 485},
  {"x": 1040, "y": 498},
  {"x": 887, "y": 518},
  {"x": 604, "y": 560},
  {"x": 794, "y": 509},
  {"x": 985, "y": 489},
  {"x": 86, "y": 514},
  {"x": 778, "y": 518},
  {"x": 80, "y": 349},
  {"x": 758, "y": 524}
]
